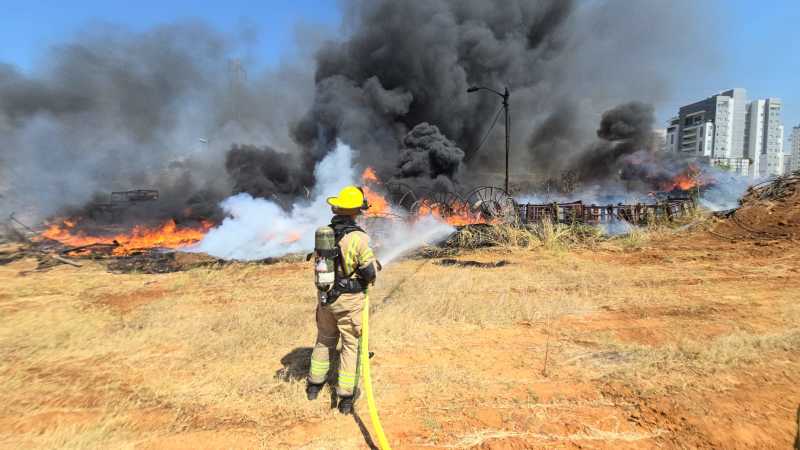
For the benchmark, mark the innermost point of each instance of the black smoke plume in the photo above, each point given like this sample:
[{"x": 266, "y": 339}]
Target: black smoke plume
[
  {"x": 624, "y": 130},
  {"x": 264, "y": 172},
  {"x": 114, "y": 109},
  {"x": 428, "y": 158},
  {"x": 627, "y": 152},
  {"x": 405, "y": 63}
]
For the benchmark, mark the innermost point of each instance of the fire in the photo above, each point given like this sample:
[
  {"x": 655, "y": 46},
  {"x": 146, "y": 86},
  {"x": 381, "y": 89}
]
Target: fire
[
  {"x": 293, "y": 236},
  {"x": 457, "y": 214},
  {"x": 685, "y": 181},
  {"x": 168, "y": 235},
  {"x": 378, "y": 205},
  {"x": 369, "y": 176}
]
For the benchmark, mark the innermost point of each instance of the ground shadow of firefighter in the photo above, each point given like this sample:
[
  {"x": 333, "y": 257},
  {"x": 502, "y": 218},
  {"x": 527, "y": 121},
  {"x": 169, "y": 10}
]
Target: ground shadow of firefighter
[
  {"x": 296, "y": 364},
  {"x": 797, "y": 434}
]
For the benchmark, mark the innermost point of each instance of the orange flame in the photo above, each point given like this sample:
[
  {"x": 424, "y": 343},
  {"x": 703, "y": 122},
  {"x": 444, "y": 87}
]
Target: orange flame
[
  {"x": 685, "y": 181},
  {"x": 168, "y": 235},
  {"x": 378, "y": 205},
  {"x": 293, "y": 236},
  {"x": 457, "y": 214},
  {"x": 369, "y": 176}
]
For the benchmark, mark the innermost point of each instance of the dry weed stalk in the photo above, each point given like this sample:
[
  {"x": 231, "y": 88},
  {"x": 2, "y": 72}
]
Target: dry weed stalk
[{"x": 549, "y": 332}]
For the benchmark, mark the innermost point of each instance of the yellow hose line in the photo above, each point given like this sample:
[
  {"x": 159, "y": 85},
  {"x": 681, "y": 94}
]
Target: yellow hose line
[{"x": 383, "y": 444}]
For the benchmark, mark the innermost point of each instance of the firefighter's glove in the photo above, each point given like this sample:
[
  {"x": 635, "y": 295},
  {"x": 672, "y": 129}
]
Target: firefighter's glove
[{"x": 367, "y": 274}]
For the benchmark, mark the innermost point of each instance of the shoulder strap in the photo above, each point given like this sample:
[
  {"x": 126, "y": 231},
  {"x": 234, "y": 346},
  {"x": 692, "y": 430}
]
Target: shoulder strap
[{"x": 340, "y": 230}]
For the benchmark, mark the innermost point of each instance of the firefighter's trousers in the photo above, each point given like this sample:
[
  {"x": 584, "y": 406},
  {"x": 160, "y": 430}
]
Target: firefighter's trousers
[{"x": 341, "y": 320}]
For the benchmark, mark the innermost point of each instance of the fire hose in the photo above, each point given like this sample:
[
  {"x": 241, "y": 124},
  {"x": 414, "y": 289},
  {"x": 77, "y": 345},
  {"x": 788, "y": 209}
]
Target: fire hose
[{"x": 363, "y": 364}]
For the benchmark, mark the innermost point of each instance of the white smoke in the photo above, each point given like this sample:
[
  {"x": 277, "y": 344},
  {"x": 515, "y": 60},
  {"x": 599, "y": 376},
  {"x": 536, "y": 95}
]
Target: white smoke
[
  {"x": 257, "y": 228},
  {"x": 725, "y": 192},
  {"x": 404, "y": 237},
  {"x": 617, "y": 227}
]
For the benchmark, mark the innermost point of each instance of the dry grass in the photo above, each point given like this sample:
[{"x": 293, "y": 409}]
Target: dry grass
[
  {"x": 207, "y": 340},
  {"x": 546, "y": 235},
  {"x": 674, "y": 363},
  {"x": 559, "y": 237},
  {"x": 94, "y": 360},
  {"x": 224, "y": 342}
]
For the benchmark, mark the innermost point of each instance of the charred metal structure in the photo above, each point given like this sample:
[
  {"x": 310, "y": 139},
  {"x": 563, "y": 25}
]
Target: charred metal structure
[
  {"x": 578, "y": 212},
  {"x": 493, "y": 204},
  {"x": 119, "y": 201}
]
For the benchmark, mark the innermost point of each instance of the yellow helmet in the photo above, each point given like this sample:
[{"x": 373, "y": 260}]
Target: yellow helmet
[{"x": 350, "y": 197}]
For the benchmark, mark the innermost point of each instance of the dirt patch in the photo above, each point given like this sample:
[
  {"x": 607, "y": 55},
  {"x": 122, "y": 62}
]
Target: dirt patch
[
  {"x": 748, "y": 413},
  {"x": 129, "y": 301}
]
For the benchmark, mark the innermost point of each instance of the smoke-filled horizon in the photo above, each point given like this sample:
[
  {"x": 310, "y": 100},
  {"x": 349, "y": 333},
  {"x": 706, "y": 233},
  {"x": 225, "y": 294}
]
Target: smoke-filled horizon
[{"x": 165, "y": 108}]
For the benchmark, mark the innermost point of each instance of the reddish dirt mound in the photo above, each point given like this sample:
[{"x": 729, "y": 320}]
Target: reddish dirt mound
[{"x": 769, "y": 211}]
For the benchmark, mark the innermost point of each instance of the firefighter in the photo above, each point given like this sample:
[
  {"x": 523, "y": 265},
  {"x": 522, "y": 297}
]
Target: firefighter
[{"x": 339, "y": 318}]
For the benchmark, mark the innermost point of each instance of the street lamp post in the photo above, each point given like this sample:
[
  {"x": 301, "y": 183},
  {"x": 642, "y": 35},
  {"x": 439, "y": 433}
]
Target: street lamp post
[{"x": 504, "y": 96}]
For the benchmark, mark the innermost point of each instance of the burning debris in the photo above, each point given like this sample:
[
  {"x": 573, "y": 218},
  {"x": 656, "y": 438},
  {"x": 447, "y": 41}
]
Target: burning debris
[
  {"x": 164, "y": 237},
  {"x": 396, "y": 210},
  {"x": 152, "y": 249},
  {"x": 146, "y": 250}
]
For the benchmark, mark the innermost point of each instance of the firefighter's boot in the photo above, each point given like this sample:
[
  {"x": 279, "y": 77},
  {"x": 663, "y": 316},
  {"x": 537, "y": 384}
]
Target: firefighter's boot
[
  {"x": 312, "y": 390},
  {"x": 346, "y": 405}
]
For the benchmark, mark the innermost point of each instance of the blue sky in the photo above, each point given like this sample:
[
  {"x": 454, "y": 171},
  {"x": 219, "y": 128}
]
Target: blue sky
[
  {"x": 758, "y": 48},
  {"x": 758, "y": 42},
  {"x": 28, "y": 28}
]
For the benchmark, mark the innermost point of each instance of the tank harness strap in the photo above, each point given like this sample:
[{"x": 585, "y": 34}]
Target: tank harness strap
[{"x": 344, "y": 284}]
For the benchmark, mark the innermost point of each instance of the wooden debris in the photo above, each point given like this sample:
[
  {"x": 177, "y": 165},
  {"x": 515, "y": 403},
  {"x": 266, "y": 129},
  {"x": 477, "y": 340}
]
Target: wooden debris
[
  {"x": 65, "y": 260},
  {"x": 93, "y": 250},
  {"x": 774, "y": 189},
  {"x": 158, "y": 261},
  {"x": 470, "y": 263}
]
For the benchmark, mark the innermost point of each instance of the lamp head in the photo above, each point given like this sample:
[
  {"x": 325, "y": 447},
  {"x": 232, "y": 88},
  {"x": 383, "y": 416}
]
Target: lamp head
[{"x": 473, "y": 89}]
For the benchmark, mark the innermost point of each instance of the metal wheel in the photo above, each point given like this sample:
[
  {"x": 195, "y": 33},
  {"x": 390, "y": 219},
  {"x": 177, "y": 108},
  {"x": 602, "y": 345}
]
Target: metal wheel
[
  {"x": 493, "y": 203},
  {"x": 446, "y": 203},
  {"x": 401, "y": 194}
]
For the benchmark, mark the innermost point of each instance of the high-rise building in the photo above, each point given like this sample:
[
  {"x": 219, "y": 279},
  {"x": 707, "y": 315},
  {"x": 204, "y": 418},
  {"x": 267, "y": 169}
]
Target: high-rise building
[
  {"x": 794, "y": 145},
  {"x": 765, "y": 147},
  {"x": 672, "y": 135},
  {"x": 729, "y": 132},
  {"x": 714, "y": 127}
]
